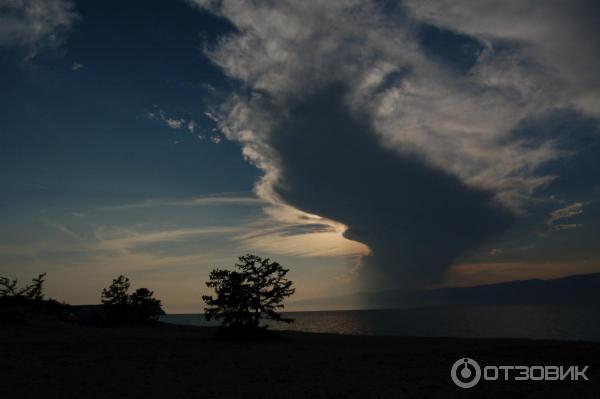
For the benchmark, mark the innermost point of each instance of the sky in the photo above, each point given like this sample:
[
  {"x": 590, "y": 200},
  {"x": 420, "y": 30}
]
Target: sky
[{"x": 365, "y": 145}]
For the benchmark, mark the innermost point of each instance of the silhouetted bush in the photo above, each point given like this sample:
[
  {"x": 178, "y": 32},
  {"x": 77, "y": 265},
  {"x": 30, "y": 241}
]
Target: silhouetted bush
[
  {"x": 33, "y": 291},
  {"x": 245, "y": 296},
  {"x": 16, "y": 302},
  {"x": 139, "y": 307},
  {"x": 8, "y": 287}
]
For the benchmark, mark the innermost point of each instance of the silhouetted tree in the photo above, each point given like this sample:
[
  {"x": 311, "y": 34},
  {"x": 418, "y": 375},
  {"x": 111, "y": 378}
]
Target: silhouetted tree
[
  {"x": 116, "y": 293},
  {"x": 116, "y": 299},
  {"x": 146, "y": 306},
  {"x": 139, "y": 306},
  {"x": 254, "y": 291}
]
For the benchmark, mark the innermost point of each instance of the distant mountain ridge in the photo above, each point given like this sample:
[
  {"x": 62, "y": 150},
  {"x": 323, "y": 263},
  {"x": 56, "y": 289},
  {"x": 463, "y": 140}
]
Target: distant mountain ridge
[{"x": 582, "y": 288}]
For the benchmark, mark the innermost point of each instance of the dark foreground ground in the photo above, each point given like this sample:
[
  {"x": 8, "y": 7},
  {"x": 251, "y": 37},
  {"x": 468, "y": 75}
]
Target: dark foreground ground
[{"x": 50, "y": 359}]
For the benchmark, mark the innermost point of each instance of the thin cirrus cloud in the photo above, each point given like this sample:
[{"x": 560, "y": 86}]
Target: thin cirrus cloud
[
  {"x": 110, "y": 248},
  {"x": 190, "y": 202},
  {"x": 562, "y": 37},
  {"x": 272, "y": 234},
  {"x": 158, "y": 114},
  {"x": 366, "y": 119},
  {"x": 568, "y": 211},
  {"x": 556, "y": 220},
  {"x": 126, "y": 238},
  {"x": 173, "y": 123},
  {"x": 307, "y": 245},
  {"x": 321, "y": 238},
  {"x": 34, "y": 24},
  {"x": 76, "y": 66}
]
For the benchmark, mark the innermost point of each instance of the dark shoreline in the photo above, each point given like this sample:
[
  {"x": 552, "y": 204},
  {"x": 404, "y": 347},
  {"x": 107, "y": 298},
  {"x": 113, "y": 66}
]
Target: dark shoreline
[
  {"x": 542, "y": 321},
  {"x": 52, "y": 359}
]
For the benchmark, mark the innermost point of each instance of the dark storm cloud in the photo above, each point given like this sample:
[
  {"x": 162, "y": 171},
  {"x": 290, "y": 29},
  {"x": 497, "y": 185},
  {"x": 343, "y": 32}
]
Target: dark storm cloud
[
  {"x": 416, "y": 148},
  {"x": 416, "y": 219}
]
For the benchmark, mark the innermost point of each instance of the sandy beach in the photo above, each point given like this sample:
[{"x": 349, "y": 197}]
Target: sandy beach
[{"x": 52, "y": 359}]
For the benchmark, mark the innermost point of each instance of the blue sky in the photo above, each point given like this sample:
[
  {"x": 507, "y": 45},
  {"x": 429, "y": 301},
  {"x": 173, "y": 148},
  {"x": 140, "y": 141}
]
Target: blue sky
[{"x": 364, "y": 145}]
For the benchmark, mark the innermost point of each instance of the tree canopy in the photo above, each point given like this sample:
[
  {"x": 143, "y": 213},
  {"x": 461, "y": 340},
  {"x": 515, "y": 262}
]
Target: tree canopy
[
  {"x": 255, "y": 290},
  {"x": 116, "y": 293},
  {"x": 122, "y": 306}
]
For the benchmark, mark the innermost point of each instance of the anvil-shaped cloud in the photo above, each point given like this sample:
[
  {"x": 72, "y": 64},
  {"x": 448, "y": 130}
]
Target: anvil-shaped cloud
[{"x": 354, "y": 117}]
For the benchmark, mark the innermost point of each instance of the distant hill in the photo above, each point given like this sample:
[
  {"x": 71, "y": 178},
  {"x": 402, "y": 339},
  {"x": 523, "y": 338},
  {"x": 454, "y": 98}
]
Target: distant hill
[{"x": 583, "y": 288}]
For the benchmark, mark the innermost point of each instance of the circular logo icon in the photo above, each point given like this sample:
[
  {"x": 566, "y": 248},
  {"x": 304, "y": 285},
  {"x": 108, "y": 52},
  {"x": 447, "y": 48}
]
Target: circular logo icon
[{"x": 465, "y": 372}]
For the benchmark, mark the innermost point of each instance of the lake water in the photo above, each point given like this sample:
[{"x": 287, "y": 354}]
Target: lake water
[{"x": 564, "y": 322}]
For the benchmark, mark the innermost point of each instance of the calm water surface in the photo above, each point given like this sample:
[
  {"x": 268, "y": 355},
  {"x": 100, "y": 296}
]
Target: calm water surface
[{"x": 567, "y": 322}]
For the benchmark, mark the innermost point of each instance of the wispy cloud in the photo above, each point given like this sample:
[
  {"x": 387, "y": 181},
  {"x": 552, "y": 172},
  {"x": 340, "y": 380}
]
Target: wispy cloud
[
  {"x": 559, "y": 38},
  {"x": 177, "y": 123},
  {"x": 565, "y": 226},
  {"x": 568, "y": 211},
  {"x": 323, "y": 239},
  {"x": 174, "y": 123},
  {"x": 158, "y": 114},
  {"x": 191, "y": 126},
  {"x": 127, "y": 238},
  {"x": 34, "y": 24},
  {"x": 284, "y": 231},
  {"x": 190, "y": 202}
]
